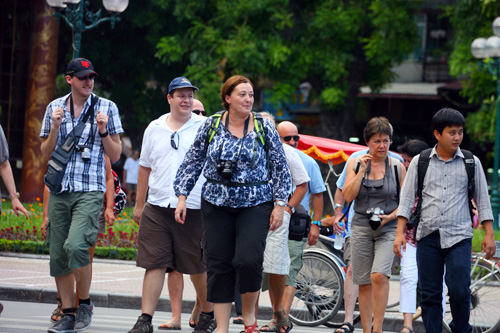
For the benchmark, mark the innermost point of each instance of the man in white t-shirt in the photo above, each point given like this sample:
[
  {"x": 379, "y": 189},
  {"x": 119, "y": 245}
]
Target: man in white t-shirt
[
  {"x": 163, "y": 244},
  {"x": 130, "y": 173}
]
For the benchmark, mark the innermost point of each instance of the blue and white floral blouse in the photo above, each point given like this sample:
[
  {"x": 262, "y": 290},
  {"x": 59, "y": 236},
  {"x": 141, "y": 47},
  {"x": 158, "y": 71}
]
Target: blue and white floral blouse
[{"x": 273, "y": 184}]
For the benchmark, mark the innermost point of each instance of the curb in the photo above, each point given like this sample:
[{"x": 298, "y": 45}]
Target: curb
[
  {"x": 128, "y": 301},
  {"x": 132, "y": 301},
  {"x": 103, "y": 299},
  {"x": 47, "y": 257}
]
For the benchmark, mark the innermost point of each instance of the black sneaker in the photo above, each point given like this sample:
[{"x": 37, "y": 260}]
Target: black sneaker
[
  {"x": 84, "y": 316},
  {"x": 142, "y": 326},
  {"x": 65, "y": 325},
  {"x": 206, "y": 324}
]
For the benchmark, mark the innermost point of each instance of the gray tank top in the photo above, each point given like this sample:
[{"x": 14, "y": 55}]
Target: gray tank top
[{"x": 374, "y": 193}]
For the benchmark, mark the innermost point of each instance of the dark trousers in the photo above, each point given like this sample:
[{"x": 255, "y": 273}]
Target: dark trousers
[
  {"x": 431, "y": 260},
  {"x": 235, "y": 239}
]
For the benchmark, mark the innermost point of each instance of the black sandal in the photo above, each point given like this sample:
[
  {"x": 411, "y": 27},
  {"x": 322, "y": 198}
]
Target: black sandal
[
  {"x": 406, "y": 327},
  {"x": 282, "y": 321},
  {"x": 348, "y": 329},
  {"x": 57, "y": 314}
]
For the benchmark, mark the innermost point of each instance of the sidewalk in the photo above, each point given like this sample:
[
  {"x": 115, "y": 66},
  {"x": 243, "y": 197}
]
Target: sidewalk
[
  {"x": 115, "y": 284},
  {"x": 118, "y": 284}
]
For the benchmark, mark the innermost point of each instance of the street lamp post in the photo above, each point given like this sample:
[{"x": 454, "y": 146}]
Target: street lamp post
[
  {"x": 75, "y": 13},
  {"x": 489, "y": 50}
]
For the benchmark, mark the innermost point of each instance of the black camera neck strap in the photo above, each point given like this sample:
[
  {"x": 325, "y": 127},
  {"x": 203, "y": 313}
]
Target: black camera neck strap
[
  {"x": 245, "y": 131},
  {"x": 386, "y": 174},
  {"x": 89, "y": 114}
]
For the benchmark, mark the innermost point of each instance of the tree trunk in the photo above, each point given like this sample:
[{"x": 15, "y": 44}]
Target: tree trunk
[{"x": 41, "y": 87}]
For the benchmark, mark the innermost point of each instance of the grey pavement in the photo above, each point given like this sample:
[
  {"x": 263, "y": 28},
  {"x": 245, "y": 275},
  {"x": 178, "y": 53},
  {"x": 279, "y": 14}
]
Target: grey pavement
[
  {"x": 118, "y": 284},
  {"x": 33, "y": 318}
]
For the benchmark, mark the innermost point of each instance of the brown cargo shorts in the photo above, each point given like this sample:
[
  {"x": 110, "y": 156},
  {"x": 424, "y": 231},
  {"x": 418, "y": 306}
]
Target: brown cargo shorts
[{"x": 165, "y": 243}]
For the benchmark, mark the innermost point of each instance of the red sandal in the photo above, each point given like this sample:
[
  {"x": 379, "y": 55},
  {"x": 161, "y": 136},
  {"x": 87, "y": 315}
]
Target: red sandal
[{"x": 253, "y": 328}]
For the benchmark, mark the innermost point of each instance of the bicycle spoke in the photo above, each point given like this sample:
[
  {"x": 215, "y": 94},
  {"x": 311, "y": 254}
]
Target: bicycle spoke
[
  {"x": 319, "y": 291},
  {"x": 485, "y": 293}
]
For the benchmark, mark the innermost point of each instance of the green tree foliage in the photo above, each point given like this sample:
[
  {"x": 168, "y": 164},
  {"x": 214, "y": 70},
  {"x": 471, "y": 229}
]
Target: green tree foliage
[
  {"x": 124, "y": 57},
  {"x": 337, "y": 46},
  {"x": 472, "y": 19}
]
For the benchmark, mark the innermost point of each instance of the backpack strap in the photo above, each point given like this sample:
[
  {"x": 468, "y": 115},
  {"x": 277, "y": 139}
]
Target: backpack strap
[
  {"x": 471, "y": 182},
  {"x": 258, "y": 122},
  {"x": 214, "y": 126},
  {"x": 422, "y": 166},
  {"x": 396, "y": 175}
]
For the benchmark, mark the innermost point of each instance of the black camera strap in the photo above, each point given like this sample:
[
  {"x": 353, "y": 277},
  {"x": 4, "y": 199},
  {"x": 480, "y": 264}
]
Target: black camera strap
[
  {"x": 245, "y": 131},
  {"x": 89, "y": 114},
  {"x": 59, "y": 158},
  {"x": 367, "y": 173}
]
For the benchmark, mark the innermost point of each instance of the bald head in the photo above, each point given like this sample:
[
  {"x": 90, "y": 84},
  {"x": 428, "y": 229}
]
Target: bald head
[
  {"x": 289, "y": 130},
  {"x": 198, "y": 106}
]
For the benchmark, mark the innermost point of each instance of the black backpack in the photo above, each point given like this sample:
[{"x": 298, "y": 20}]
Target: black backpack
[{"x": 423, "y": 164}]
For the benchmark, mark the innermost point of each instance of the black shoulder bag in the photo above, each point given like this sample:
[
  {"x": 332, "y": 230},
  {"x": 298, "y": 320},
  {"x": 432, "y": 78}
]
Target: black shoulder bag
[
  {"x": 300, "y": 224},
  {"x": 59, "y": 158}
]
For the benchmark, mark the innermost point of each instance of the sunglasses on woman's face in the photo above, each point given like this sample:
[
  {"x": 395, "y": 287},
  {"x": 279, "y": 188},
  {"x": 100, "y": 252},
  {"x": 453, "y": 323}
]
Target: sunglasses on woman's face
[
  {"x": 200, "y": 112},
  {"x": 290, "y": 137}
]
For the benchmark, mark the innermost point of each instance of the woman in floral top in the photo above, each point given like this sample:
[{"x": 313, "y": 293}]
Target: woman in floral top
[{"x": 244, "y": 179}]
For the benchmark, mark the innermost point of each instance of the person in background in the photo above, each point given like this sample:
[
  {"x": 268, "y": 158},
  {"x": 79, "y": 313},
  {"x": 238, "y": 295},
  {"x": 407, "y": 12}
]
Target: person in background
[
  {"x": 8, "y": 180},
  {"x": 409, "y": 272},
  {"x": 248, "y": 183},
  {"x": 374, "y": 221},
  {"x": 444, "y": 233},
  {"x": 130, "y": 173},
  {"x": 8, "y": 177},
  {"x": 313, "y": 197},
  {"x": 276, "y": 255},
  {"x": 198, "y": 108}
]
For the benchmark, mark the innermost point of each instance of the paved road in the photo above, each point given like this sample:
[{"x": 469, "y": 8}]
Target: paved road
[
  {"x": 116, "y": 285},
  {"x": 34, "y": 317}
]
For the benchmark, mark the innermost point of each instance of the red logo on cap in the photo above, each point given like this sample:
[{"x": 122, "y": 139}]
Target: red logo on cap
[{"x": 85, "y": 64}]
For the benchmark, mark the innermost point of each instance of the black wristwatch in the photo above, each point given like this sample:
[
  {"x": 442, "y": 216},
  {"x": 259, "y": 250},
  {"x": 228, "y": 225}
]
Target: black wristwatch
[
  {"x": 291, "y": 208},
  {"x": 103, "y": 135}
]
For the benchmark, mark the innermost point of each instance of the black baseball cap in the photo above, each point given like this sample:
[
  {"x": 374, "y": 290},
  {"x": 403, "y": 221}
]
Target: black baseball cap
[
  {"x": 80, "y": 67},
  {"x": 180, "y": 82}
]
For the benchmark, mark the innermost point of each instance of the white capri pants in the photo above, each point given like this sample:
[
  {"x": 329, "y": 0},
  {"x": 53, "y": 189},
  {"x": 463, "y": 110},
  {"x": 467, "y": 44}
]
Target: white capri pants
[{"x": 409, "y": 279}]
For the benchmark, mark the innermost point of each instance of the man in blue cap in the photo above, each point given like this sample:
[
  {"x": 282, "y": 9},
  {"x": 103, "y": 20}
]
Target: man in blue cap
[{"x": 163, "y": 244}]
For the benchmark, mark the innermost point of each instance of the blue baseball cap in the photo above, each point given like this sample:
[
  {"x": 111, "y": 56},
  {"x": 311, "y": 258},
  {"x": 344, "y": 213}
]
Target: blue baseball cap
[{"x": 180, "y": 82}]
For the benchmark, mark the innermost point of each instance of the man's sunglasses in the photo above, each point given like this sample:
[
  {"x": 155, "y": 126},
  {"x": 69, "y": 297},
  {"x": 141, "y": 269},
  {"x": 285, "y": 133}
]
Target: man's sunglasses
[
  {"x": 174, "y": 140},
  {"x": 90, "y": 77},
  {"x": 290, "y": 137},
  {"x": 200, "y": 112}
]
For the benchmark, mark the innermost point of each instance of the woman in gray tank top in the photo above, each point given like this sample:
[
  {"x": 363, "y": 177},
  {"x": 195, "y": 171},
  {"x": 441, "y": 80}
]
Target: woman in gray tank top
[{"x": 371, "y": 182}]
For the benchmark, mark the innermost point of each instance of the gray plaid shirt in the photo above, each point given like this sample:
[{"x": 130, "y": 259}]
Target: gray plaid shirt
[
  {"x": 84, "y": 176},
  {"x": 445, "y": 203}
]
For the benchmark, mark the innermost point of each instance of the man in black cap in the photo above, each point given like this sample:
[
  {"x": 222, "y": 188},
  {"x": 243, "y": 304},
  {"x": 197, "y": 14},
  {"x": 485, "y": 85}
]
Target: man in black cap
[
  {"x": 163, "y": 244},
  {"x": 73, "y": 211}
]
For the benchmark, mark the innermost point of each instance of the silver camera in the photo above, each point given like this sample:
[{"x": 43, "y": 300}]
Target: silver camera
[
  {"x": 85, "y": 154},
  {"x": 373, "y": 214}
]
